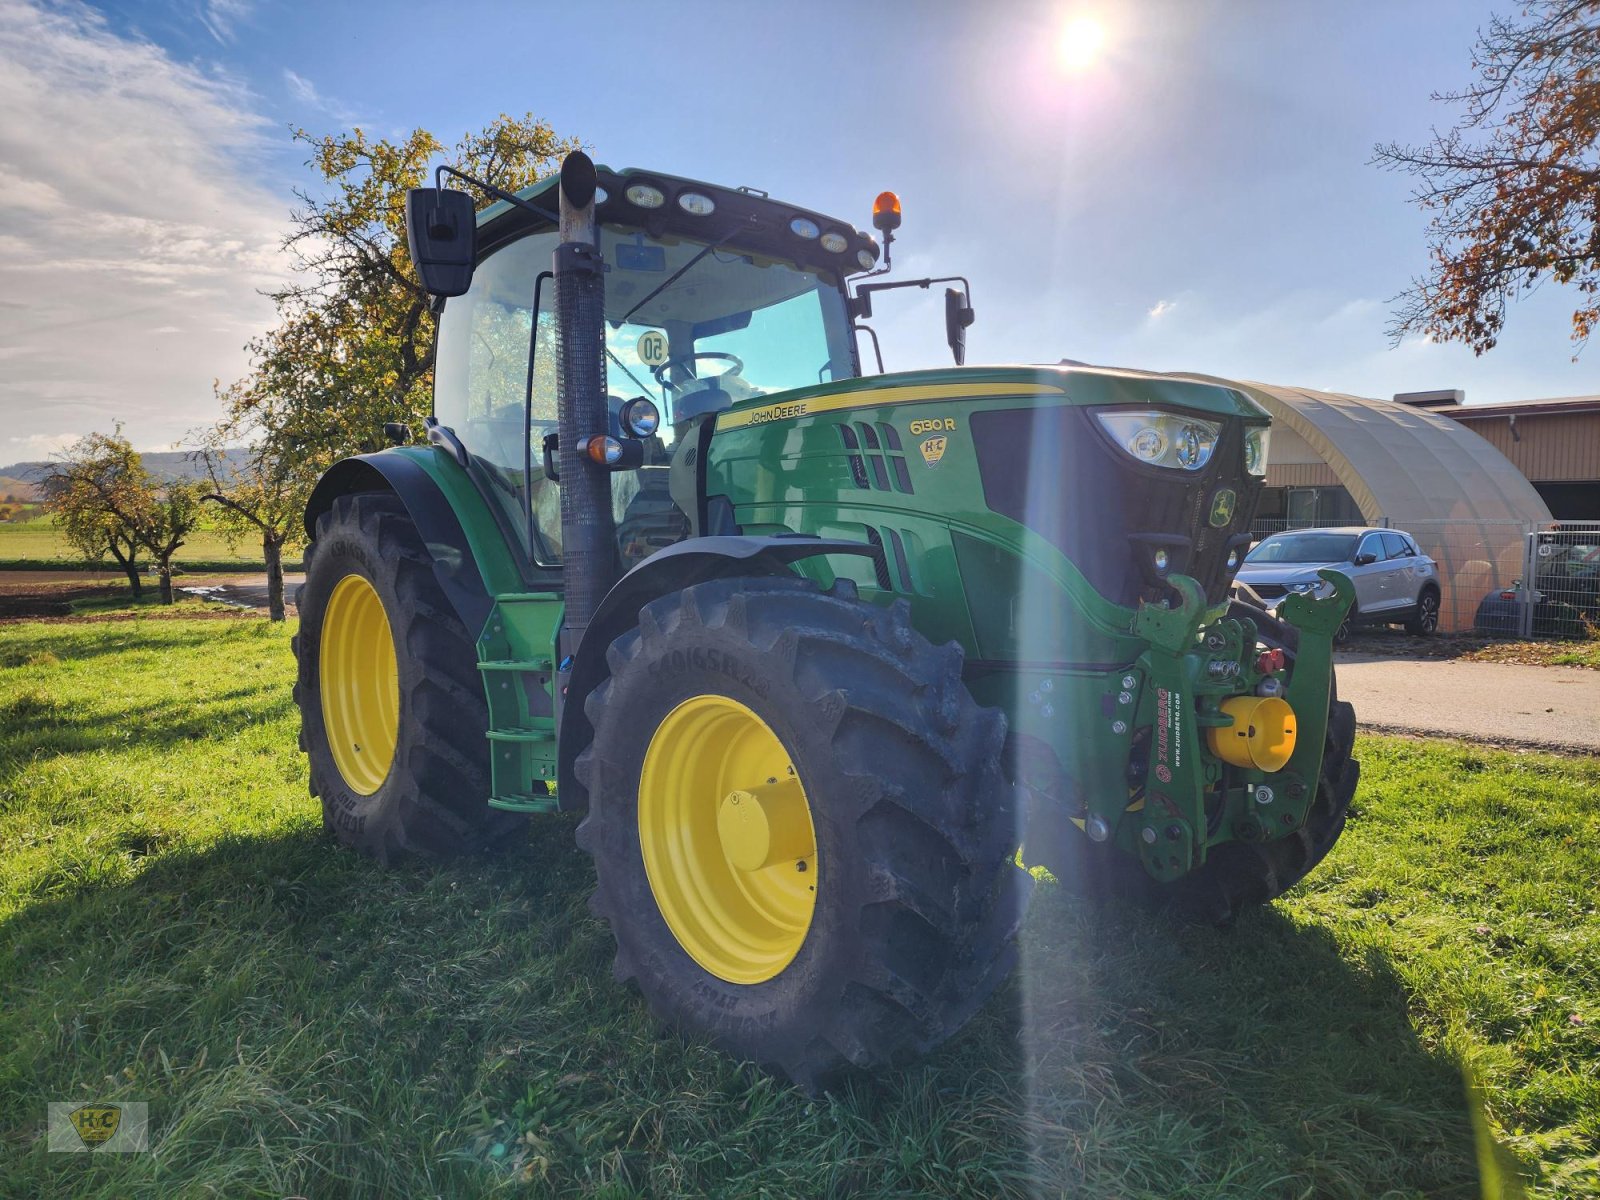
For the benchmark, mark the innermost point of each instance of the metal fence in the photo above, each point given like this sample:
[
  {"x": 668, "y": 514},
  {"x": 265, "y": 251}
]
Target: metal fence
[{"x": 1512, "y": 579}]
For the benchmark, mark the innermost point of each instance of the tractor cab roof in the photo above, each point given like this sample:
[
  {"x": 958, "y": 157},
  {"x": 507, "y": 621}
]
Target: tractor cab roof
[{"x": 663, "y": 205}]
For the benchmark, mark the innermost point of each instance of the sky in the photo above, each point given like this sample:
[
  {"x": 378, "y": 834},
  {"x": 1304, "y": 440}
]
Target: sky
[{"x": 1191, "y": 189}]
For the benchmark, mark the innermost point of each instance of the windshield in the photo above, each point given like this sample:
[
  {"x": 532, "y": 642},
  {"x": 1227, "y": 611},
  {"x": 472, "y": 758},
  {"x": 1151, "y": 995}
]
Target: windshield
[
  {"x": 1304, "y": 548},
  {"x": 692, "y": 325}
]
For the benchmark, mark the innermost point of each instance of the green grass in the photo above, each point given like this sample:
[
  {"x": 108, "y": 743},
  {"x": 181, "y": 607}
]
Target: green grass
[
  {"x": 36, "y": 544},
  {"x": 174, "y": 927}
]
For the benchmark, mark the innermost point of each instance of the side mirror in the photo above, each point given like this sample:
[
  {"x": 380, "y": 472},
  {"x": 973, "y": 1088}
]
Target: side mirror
[
  {"x": 958, "y": 315},
  {"x": 442, "y": 233},
  {"x": 1365, "y": 560}
]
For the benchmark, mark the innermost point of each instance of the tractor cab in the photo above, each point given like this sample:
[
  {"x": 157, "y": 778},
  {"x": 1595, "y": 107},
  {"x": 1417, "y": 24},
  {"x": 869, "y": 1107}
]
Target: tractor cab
[{"x": 711, "y": 296}]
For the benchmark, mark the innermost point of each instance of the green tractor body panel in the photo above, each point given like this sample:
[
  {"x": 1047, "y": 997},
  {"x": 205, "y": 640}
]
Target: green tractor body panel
[{"x": 1058, "y": 631}]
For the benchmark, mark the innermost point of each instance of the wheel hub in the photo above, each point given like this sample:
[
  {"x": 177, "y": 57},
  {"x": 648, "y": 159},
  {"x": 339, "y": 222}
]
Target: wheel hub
[
  {"x": 359, "y": 681},
  {"x": 727, "y": 839}
]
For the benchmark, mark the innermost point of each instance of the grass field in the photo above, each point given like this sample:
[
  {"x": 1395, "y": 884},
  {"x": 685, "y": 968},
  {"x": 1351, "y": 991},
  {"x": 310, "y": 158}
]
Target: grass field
[
  {"x": 175, "y": 928},
  {"x": 36, "y": 543}
]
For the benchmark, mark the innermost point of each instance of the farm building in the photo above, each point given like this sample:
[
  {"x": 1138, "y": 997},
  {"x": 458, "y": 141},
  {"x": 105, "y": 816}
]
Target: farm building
[{"x": 1337, "y": 459}]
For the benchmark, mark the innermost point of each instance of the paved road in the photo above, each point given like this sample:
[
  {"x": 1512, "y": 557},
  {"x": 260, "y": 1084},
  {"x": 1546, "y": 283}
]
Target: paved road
[{"x": 1550, "y": 707}]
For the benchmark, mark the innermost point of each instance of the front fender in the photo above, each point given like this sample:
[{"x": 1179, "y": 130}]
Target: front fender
[
  {"x": 685, "y": 564},
  {"x": 473, "y": 559}
]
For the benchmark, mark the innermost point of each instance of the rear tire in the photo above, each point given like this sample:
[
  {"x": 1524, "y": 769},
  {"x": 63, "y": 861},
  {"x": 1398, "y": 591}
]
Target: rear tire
[
  {"x": 433, "y": 798},
  {"x": 917, "y": 897}
]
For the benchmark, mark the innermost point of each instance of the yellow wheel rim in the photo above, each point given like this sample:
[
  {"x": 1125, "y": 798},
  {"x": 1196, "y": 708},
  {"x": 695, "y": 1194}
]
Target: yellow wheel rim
[
  {"x": 727, "y": 839},
  {"x": 360, "y": 684}
]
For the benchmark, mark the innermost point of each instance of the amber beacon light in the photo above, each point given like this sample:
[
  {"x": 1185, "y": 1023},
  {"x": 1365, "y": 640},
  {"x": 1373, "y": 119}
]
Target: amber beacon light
[{"x": 886, "y": 212}]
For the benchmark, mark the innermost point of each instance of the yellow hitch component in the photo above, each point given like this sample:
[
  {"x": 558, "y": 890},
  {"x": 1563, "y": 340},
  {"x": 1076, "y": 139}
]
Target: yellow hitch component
[
  {"x": 727, "y": 839},
  {"x": 766, "y": 825},
  {"x": 1261, "y": 736},
  {"x": 359, "y": 680}
]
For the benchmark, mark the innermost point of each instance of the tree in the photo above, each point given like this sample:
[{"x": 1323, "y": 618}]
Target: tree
[
  {"x": 105, "y": 501},
  {"x": 89, "y": 491},
  {"x": 354, "y": 346},
  {"x": 1514, "y": 188},
  {"x": 256, "y": 485},
  {"x": 169, "y": 516}
]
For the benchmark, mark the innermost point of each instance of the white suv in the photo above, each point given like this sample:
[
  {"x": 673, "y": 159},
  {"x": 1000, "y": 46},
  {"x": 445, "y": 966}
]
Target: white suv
[{"x": 1396, "y": 583}]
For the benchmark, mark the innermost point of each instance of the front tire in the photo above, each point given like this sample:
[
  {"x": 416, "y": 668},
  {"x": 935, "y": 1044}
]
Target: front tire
[
  {"x": 896, "y": 821},
  {"x": 392, "y": 715}
]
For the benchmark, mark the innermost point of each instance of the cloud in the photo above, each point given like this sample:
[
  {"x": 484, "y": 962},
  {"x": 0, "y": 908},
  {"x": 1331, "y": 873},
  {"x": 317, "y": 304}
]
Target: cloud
[
  {"x": 221, "y": 17},
  {"x": 137, "y": 240},
  {"x": 1161, "y": 309},
  {"x": 36, "y": 447},
  {"x": 306, "y": 93},
  {"x": 301, "y": 88}
]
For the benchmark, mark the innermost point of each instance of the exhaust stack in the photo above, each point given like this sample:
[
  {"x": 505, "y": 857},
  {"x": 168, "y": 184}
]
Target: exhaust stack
[{"x": 588, "y": 533}]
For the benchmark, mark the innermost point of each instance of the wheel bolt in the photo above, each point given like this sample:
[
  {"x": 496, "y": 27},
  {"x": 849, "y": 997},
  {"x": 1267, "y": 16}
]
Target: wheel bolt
[
  {"x": 1119, "y": 727},
  {"x": 1149, "y": 835}
]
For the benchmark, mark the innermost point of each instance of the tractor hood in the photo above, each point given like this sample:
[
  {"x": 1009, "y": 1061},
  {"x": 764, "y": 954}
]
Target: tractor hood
[{"x": 1072, "y": 385}]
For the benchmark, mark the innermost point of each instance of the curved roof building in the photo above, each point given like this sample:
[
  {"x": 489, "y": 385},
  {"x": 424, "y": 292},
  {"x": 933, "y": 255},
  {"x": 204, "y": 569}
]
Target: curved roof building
[{"x": 1464, "y": 501}]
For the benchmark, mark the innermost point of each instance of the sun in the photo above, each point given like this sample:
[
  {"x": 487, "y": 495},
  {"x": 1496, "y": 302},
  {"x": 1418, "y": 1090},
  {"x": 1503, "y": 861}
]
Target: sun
[{"x": 1082, "y": 38}]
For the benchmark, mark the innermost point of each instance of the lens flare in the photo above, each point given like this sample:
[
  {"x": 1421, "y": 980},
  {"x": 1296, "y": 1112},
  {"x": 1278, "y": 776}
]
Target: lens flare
[{"x": 1080, "y": 43}]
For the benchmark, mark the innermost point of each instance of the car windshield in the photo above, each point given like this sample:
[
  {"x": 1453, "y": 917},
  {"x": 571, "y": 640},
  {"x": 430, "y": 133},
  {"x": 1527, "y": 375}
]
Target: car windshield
[{"x": 1304, "y": 548}]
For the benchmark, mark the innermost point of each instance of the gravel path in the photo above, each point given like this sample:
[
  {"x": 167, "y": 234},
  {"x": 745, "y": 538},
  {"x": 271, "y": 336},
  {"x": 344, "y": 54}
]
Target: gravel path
[
  {"x": 247, "y": 591},
  {"x": 1550, "y": 708}
]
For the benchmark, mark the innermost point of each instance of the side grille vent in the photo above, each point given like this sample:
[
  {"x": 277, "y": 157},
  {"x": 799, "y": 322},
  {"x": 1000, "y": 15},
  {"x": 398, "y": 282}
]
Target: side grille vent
[
  {"x": 892, "y": 562},
  {"x": 877, "y": 457}
]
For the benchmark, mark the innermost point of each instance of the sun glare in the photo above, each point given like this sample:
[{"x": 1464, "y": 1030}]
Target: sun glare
[{"x": 1080, "y": 43}]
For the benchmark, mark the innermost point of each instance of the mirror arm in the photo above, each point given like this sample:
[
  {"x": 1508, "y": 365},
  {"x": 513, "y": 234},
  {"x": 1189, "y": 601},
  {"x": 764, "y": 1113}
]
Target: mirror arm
[
  {"x": 497, "y": 193},
  {"x": 861, "y": 302}
]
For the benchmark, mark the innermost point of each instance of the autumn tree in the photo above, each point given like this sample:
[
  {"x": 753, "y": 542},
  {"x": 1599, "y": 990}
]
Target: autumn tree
[
  {"x": 256, "y": 482},
  {"x": 1514, "y": 187},
  {"x": 354, "y": 345},
  {"x": 169, "y": 515},
  {"x": 89, "y": 492}
]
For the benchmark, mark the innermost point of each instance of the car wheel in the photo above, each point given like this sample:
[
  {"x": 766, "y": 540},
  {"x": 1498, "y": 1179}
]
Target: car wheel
[{"x": 1425, "y": 621}]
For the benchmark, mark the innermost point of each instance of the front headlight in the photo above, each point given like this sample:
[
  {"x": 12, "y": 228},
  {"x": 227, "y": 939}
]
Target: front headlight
[
  {"x": 1320, "y": 588},
  {"x": 1255, "y": 450},
  {"x": 1163, "y": 439}
]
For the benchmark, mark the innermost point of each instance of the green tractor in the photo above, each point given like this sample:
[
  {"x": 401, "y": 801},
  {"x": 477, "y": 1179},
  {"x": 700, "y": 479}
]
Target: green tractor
[{"x": 822, "y": 657}]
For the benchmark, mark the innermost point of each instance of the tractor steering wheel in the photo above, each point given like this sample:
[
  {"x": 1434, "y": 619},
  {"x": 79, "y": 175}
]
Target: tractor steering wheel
[{"x": 684, "y": 360}]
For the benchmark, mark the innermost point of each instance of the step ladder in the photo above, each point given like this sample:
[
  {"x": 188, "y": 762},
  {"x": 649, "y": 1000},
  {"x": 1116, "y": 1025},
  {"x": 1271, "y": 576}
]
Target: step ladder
[{"x": 516, "y": 659}]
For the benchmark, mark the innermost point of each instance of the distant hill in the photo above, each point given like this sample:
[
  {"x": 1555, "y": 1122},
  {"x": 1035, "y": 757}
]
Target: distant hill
[
  {"x": 163, "y": 464},
  {"x": 19, "y": 489}
]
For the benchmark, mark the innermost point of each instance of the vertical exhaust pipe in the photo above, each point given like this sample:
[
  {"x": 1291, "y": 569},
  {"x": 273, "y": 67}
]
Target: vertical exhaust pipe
[{"x": 588, "y": 533}]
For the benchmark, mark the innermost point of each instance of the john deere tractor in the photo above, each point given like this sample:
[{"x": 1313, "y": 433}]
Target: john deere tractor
[{"x": 822, "y": 656}]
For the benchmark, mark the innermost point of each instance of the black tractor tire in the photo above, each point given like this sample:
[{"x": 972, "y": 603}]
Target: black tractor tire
[
  {"x": 1235, "y": 875},
  {"x": 918, "y": 899},
  {"x": 434, "y": 800},
  {"x": 1425, "y": 621}
]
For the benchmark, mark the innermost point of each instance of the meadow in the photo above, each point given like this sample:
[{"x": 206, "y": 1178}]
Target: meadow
[
  {"x": 36, "y": 544},
  {"x": 1421, "y": 1018}
]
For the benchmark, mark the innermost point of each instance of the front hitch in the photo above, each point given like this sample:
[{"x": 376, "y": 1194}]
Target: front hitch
[{"x": 1192, "y": 669}]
